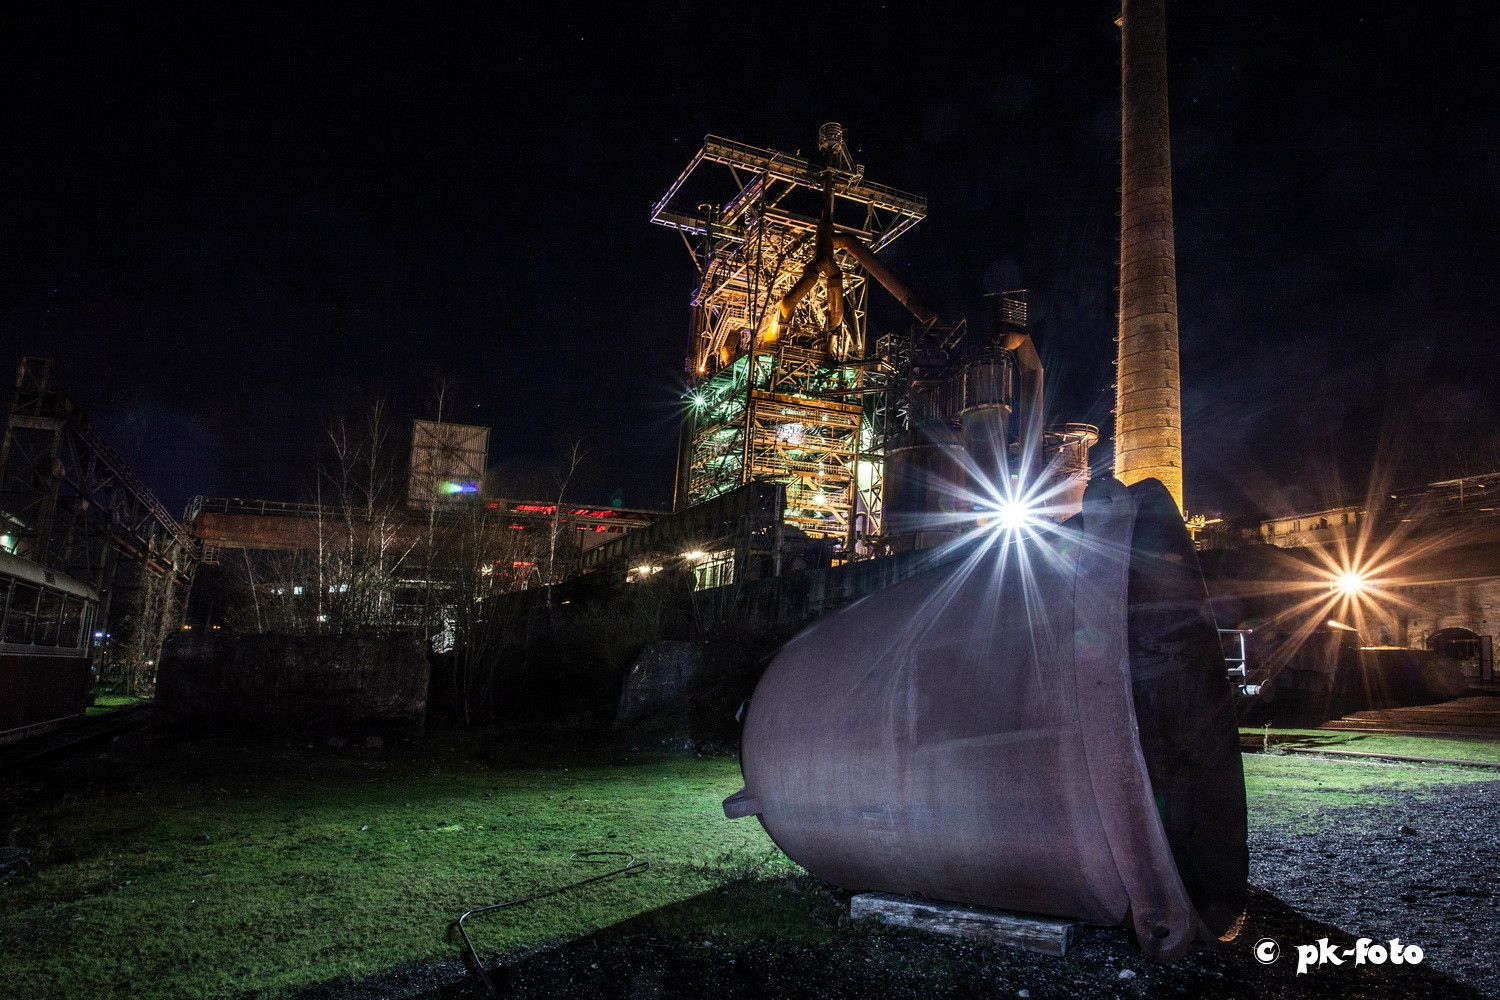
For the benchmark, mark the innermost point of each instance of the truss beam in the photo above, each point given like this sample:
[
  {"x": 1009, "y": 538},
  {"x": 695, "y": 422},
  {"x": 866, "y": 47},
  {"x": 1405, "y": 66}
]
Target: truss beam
[{"x": 796, "y": 402}]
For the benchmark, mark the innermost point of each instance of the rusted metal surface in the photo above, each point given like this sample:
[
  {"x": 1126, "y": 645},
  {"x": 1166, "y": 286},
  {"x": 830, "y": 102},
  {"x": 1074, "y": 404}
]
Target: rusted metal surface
[{"x": 1044, "y": 726}]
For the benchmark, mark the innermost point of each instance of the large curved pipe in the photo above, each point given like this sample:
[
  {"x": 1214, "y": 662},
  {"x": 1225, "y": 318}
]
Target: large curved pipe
[
  {"x": 867, "y": 260},
  {"x": 795, "y": 294},
  {"x": 824, "y": 264}
]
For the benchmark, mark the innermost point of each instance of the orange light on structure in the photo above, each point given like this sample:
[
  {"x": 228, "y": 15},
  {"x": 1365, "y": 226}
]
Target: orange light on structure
[
  {"x": 1349, "y": 584},
  {"x": 1354, "y": 586},
  {"x": 772, "y": 329},
  {"x": 1357, "y": 593}
]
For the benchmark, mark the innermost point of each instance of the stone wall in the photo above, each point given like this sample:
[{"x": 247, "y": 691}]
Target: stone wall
[
  {"x": 1470, "y": 604},
  {"x": 277, "y": 681},
  {"x": 655, "y": 690}
]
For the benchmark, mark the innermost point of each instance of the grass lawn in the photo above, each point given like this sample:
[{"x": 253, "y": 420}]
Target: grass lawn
[
  {"x": 1446, "y": 748},
  {"x": 278, "y": 866},
  {"x": 106, "y": 703},
  {"x": 1295, "y": 790},
  {"x": 221, "y": 867}
]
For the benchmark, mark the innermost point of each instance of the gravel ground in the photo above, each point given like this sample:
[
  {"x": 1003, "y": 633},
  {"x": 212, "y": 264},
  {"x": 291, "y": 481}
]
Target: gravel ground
[
  {"x": 1425, "y": 869},
  {"x": 1361, "y": 875}
]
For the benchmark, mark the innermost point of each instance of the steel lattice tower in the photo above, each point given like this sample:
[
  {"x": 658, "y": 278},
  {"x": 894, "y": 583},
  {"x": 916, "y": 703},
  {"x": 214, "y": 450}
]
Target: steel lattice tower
[{"x": 779, "y": 386}]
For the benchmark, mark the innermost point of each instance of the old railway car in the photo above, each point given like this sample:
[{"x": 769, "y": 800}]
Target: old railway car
[{"x": 45, "y": 637}]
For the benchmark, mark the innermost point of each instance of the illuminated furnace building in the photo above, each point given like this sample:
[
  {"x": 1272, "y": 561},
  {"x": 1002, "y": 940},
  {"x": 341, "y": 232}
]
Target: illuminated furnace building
[
  {"x": 780, "y": 390},
  {"x": 878, "y": 444}
]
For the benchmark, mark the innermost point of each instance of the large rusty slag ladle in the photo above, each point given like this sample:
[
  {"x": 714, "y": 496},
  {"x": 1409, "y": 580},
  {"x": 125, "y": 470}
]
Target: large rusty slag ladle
[{"x": 1043, "y": 725}]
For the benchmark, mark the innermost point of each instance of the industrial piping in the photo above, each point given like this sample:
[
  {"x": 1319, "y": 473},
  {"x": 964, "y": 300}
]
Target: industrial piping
[
  {"x": 853, "y": 246},
  {"x": 823, "y": 263}
]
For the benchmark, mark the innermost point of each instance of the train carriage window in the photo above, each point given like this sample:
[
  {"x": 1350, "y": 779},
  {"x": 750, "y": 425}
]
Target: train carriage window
[
  {"x": 48, "y": 619},
  {"x": 71, "y": 623},
  {"x": 20, "y": 612}
]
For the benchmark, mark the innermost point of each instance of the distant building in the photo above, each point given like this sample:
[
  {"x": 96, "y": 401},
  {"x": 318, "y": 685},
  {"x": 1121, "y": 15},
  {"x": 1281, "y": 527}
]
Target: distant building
[{"x": 1422, "y": 563}]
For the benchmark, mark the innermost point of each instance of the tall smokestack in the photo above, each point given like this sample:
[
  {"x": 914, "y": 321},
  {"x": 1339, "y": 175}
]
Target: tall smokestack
[{"x": 1148, "y": 404}]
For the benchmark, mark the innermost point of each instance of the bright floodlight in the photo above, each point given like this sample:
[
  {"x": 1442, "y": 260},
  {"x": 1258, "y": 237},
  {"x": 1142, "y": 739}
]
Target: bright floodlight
[
  {"x": 1349, "y": 584},
  {"x": 1013, "y": 515}
]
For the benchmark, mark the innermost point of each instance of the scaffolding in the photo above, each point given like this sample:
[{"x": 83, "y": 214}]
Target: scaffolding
[
  {"x": 782, "y": 387},
  {"x": 70, "y": 503}
]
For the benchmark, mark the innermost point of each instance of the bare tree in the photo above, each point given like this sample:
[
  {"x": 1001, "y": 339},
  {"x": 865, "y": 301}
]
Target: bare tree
[
  {"x": 464, "y": 548},
  {"x": 562, "y": 476},
  {"x": 346, "y": 579}
]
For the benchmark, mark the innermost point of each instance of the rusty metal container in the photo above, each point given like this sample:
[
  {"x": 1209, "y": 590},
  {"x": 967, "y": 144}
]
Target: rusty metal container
[{"x": 1043, "y": 725}]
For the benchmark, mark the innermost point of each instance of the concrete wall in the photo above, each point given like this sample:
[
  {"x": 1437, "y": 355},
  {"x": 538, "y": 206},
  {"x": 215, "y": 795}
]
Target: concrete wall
[
  {"x": 803, "y": 596},
  {"x": 293, "y": 681}
]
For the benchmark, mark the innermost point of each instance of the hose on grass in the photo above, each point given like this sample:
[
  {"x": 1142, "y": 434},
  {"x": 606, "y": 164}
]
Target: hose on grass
[{"x": 583, "y": 857}]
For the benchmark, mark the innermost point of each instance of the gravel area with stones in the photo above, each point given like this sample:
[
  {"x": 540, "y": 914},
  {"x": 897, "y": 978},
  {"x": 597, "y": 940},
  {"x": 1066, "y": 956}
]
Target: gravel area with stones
[
  {"x": 1425, "y": 869},
  {"x": 1421, "y": 868}
]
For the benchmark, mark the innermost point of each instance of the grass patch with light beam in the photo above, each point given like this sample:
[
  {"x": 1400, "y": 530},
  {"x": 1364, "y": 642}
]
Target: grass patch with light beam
[
  {"x": 1297, "y": 790},
  {"x": 273, "y": 867},
  {"x": 225, "y": 867},
  {"x": 1443, "y": 747}
]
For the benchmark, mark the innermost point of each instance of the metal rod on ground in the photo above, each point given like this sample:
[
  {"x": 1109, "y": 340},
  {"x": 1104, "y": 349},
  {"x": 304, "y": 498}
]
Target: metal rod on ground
[{"x": 631, "y": 864}]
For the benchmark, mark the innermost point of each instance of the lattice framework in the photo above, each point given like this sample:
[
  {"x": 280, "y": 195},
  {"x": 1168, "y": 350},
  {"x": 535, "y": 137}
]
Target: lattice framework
[{"x": 792, "y": 401}]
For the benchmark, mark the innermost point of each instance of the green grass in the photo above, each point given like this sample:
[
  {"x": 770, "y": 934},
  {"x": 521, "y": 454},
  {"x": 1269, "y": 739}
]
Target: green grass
[
  {"x": 1299, "y": 790},
  {"x": 218, "y": 868},
  {"x": 106, "y": 703},
  {"x": 1413, "y": 746},
  {"x": 251, "y": 875}
]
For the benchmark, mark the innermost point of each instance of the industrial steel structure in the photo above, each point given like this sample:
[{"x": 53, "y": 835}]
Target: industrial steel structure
[
  {"x": 779, "y": 387},
  {"x": 883, "y": 444},
  {"x": 70, "y": 503}
]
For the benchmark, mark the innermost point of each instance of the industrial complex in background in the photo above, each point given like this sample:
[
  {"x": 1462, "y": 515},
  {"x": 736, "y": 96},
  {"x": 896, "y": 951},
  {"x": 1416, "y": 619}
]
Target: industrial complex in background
[{"x": 819, "y": 459}]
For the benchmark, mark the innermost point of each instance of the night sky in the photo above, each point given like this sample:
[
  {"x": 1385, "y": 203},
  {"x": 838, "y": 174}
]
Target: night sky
[{"x": 228, "y": 226}]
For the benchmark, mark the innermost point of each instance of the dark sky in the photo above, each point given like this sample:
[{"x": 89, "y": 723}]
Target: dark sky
[{"x": 227, "y": 226}]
